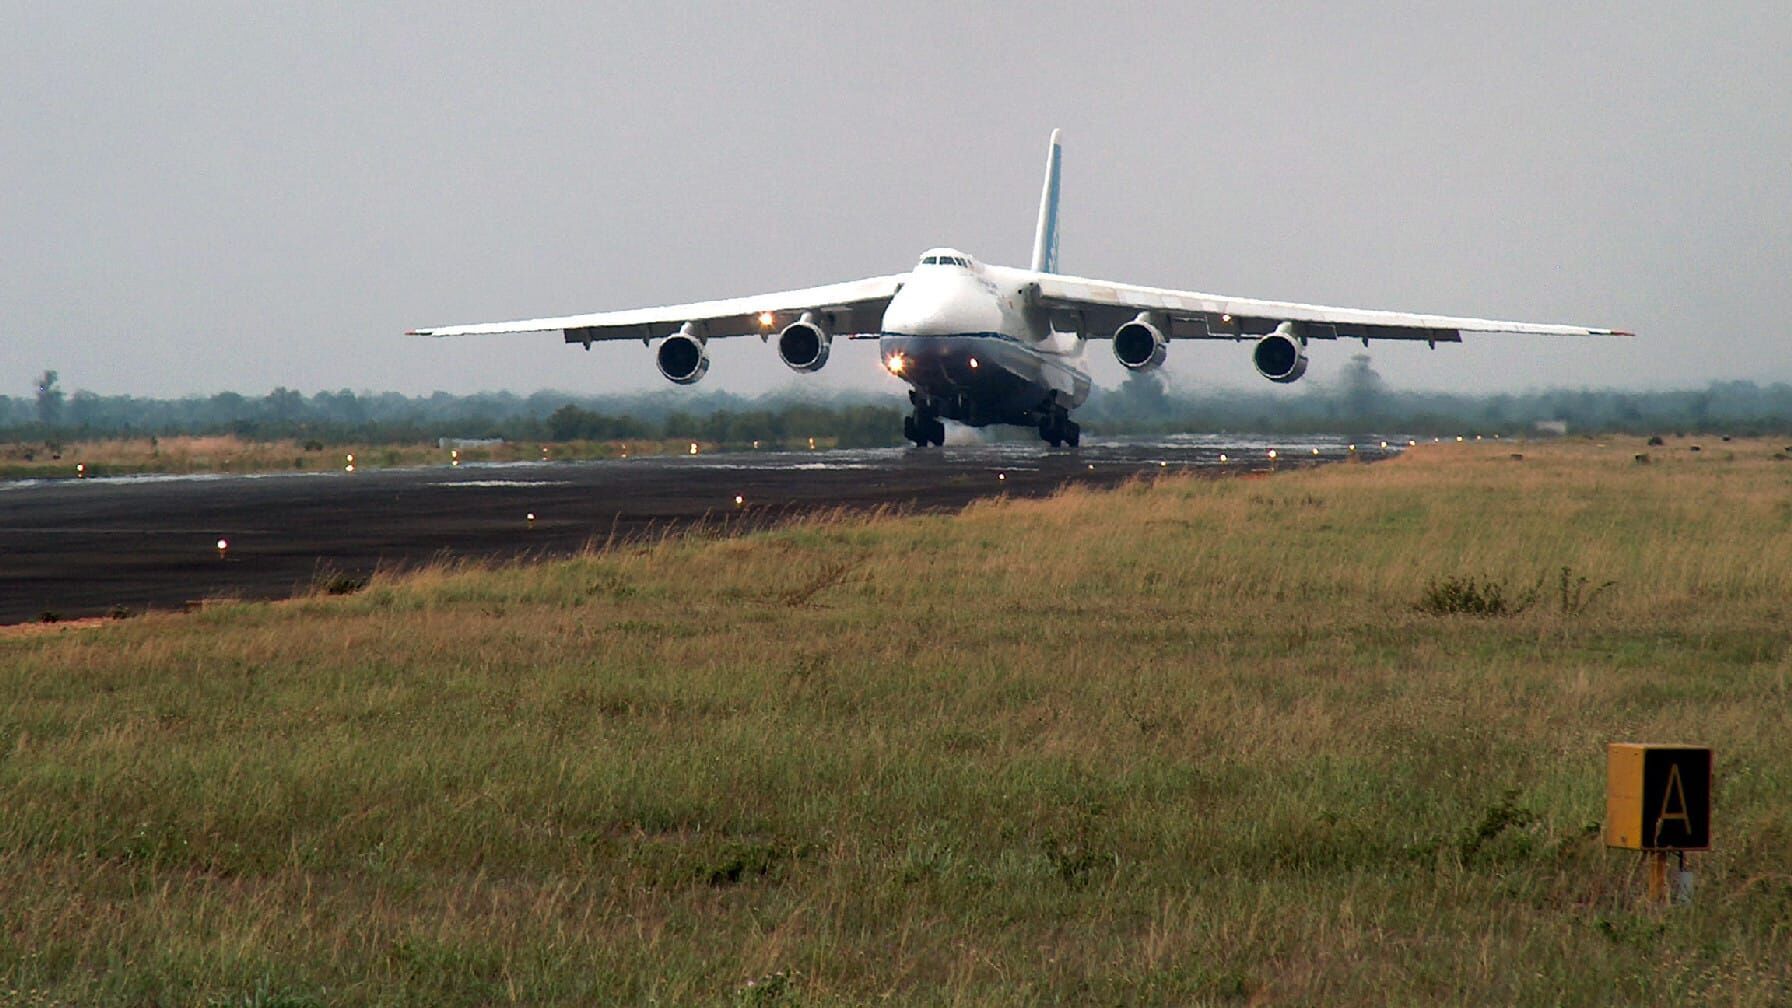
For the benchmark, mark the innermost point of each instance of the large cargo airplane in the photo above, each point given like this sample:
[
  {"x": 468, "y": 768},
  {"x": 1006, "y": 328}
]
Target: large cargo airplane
[{"x": 983, "y": 344}]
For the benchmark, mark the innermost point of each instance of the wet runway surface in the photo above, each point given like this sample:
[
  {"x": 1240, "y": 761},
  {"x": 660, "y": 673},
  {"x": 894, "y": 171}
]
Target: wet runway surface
[{"x": 83, "y": 547}]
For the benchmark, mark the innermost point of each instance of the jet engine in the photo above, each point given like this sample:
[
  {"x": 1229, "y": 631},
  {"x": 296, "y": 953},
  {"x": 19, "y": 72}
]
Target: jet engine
[
  {"x": 1281, "y": 356},
  {"x": 682, "y": 356},
  {"x": 803, "y": 345},
  {"x": 1141, "y": 344}
]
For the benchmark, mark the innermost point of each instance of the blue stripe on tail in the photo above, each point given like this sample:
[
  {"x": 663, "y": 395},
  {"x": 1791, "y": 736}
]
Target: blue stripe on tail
[{"x": 1045, "y": 239}]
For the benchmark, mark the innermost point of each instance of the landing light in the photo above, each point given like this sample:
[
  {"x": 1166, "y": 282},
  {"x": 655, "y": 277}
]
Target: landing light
[
  {"x": 766, "y": 319},
  {"x": 973, "y": 363},
  {"x": 895, "y": 362}
]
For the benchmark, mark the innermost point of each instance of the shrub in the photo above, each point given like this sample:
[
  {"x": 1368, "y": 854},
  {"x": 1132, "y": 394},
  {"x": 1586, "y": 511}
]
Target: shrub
[
  {"x": 1470, "y": 596},
  {"x": 1473, "y": 597}
]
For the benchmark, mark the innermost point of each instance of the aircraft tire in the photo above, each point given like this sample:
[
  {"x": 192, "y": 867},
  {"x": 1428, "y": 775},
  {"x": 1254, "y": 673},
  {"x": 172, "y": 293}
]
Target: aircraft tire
[
  {"x": 936, "y": 432},
  {"x": 1056, "y": 429}
]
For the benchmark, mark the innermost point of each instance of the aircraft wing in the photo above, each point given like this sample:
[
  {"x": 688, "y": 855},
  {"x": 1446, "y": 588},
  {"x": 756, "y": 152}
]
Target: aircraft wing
[
  {"x": 848, "y": 309},
  {"x": 1101, "y": 306}
]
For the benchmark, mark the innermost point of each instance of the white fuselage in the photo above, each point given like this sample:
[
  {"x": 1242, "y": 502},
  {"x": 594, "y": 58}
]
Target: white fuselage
[{"x": 968, "y": 339}]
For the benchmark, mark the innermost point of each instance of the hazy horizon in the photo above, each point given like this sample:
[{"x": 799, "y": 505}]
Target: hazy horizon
[{"x": 200, "y": 199}]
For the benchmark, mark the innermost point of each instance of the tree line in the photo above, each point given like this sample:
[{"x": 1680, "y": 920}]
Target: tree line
[
  {"x": 850, "y": 420},
  {"x": 1359, "y": 402}
]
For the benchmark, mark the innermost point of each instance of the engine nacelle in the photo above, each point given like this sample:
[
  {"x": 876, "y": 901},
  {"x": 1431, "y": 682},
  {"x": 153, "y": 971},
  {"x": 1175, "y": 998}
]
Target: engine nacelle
[
  {"x": 683, "y": 358},
  {"x": 1140, "y": 345},
  {"x": 1281, "y": 356},
  {"x": 803, "y": 345}
]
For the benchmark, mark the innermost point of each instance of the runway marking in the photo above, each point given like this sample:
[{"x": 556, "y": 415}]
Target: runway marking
[{"x": 502, "y": 483}]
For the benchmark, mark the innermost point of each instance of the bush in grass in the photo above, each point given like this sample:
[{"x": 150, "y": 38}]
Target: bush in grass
[{"x": 1470, "y": 596}]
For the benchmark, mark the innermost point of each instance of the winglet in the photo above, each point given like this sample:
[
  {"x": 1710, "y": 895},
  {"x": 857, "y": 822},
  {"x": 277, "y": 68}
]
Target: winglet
[{"x": 1045, "y": 237}]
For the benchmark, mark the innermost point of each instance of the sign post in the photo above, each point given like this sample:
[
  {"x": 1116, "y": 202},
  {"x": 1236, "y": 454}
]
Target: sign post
[{"x": 1658, "y": 800}]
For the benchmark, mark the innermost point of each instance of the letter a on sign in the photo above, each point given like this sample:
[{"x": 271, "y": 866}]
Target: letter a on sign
[{"x": 1675, "y": 791}]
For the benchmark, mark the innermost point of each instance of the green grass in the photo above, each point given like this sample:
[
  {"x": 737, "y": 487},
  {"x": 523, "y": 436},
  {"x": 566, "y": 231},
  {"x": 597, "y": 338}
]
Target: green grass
[{"x": 1191, "y": 742}]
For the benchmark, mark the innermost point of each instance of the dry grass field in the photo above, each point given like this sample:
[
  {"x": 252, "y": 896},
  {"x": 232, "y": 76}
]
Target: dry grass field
[
  {"x": 1191, "y": 742},
  {"x": 224, "y": 453}
]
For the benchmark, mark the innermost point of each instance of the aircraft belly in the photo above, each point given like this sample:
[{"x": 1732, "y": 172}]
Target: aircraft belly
[{"x": 1010, "y": 382}]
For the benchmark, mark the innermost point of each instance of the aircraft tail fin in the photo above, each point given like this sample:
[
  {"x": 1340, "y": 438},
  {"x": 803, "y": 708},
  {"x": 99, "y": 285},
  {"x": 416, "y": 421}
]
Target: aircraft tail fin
[{"x": 1045, "y": 239}]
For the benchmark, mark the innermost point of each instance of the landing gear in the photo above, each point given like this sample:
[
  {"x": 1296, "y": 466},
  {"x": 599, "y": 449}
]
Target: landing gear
[
  {"x": 923, "y": 426},
  {"x": 924, "y": 429},
  {"x": 1056, "y": 428}
]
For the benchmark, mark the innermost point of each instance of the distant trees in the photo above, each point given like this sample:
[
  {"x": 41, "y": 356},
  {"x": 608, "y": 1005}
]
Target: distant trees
[
  {"x": 1360, "y": 388},
  {"x": 49, "y": 400},
  {"x": 1360, "y": 401},
  {"x": 345, "y": 415}
]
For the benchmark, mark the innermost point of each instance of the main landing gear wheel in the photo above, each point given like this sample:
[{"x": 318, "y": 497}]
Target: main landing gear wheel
[
  {"x": 1056, "y": 428},
  {"x": 924, "y": 430}
]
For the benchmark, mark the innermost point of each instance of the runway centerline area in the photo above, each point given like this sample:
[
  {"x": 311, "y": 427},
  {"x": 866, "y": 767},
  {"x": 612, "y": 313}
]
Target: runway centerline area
[{"x": 72, "y": 548}]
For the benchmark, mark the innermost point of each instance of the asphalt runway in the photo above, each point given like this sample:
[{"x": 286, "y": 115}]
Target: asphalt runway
[{"x": 74, "y": 548}]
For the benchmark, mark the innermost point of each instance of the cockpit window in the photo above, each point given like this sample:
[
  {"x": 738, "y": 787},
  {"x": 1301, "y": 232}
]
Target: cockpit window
[{"x": 945, "y": 261}]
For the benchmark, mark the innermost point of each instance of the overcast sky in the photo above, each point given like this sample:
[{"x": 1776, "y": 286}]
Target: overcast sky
[{"x": 201, "y": 197}]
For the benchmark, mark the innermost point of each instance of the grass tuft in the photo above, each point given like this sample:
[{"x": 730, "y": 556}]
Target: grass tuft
[{"x": 1469, "y": 596}]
